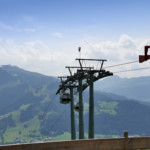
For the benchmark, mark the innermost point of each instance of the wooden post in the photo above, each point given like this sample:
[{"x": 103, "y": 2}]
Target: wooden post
[
  {"x": 125, "y": 140},
  {"x": 125, "y": 134}
]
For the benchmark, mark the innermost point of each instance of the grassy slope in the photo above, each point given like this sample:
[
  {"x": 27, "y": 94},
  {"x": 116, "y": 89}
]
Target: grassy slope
[{"x": 20, "y": 133}]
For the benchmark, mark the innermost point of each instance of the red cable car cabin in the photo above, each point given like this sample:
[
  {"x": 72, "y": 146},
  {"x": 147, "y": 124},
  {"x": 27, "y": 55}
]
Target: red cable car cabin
[{"x": 145, "y": 57}]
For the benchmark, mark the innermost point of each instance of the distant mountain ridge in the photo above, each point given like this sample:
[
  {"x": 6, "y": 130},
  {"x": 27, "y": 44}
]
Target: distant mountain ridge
[
  {"x": 14, "y": 72},
  {"x": 16, "y": 83},
  {"x": 135, "y": 88}
]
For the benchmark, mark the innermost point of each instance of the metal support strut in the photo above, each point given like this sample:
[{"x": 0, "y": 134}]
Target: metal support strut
[
  {"x": 91, "y": 107},
  {"x": 81, "y": 121},
  {"x": 73, "y": 131}
]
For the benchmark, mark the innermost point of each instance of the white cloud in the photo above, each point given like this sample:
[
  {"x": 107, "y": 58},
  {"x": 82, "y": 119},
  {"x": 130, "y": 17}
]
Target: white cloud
[
  {"x": 126, "y": 49},
  {"x": 37, "y": 56},
  {"x": 34, "y": 56},
  {"x": 57, "y": 34},
  {"x": 10, "y": 28},
  {"x": 6, "y": 27}
]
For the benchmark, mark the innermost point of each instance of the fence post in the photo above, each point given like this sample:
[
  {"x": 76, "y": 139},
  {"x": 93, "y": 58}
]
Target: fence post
[{"x": 125, "y": 140}]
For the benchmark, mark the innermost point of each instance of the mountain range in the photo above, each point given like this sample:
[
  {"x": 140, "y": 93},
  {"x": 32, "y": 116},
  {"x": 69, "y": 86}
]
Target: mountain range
[
  {"x": 30, "y": 110},
  {"x": 134, "y": 88}
]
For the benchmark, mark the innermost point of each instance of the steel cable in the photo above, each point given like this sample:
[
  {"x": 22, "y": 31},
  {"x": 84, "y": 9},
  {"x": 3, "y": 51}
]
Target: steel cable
[
  {"x": 121, "y": 64},
  {"x": 132, "y": 70}
]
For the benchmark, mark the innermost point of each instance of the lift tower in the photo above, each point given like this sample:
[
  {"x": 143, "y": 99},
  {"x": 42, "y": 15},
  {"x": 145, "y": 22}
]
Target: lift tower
[
  {"x": 93, "y": 75},
  {"x": 71, "y": 82},
  {"x": 78, "y": 77},
  {"x": 84, "y": 77}
]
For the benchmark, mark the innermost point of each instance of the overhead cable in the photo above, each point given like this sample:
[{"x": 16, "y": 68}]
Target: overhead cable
[
  {"x": 121, "y": 64},
  {"x": 132, "y": 70},
  {"x": 56, "y": 121},
  {"x": 46, "y": 110}
]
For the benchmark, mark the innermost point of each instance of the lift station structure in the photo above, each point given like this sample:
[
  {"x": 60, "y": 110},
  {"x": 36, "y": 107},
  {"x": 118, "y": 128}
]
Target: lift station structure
[{"x": 76, "y": 83}]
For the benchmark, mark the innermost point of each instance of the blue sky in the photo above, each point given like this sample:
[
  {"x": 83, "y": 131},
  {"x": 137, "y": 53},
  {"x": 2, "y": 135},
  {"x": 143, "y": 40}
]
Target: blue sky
[
  {"x": 76, "y": 19},
  {"x": 36, "y": 34}
]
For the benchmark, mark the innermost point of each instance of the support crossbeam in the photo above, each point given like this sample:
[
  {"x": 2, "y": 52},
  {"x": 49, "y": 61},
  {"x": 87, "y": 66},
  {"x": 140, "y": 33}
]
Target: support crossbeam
[
  {"x": 79, "y": 67},
  {"x": 91, "y": 59}
]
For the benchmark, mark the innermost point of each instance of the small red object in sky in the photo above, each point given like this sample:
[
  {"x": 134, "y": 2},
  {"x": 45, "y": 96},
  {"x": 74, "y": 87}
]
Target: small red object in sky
[{"x": 145, "y": 57}]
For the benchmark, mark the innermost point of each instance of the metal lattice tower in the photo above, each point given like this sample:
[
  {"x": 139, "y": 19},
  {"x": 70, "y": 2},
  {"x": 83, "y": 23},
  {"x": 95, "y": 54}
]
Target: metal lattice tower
[{"x": 84, "y": 77}]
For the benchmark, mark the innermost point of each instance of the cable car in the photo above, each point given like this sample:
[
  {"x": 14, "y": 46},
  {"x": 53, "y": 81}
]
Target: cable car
[
  {"x": 76, "y": 106},
  {"x": 145, "y": 57},
  {"x": 65, "y": 98}
]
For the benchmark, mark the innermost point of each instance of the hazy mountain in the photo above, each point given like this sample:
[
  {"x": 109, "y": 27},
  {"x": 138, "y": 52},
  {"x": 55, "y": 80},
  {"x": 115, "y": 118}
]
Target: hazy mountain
[
  {"x": 18, "y": 87},
  {"x": 30, "y": 110},
  {"x": 136, "y": 88}
]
